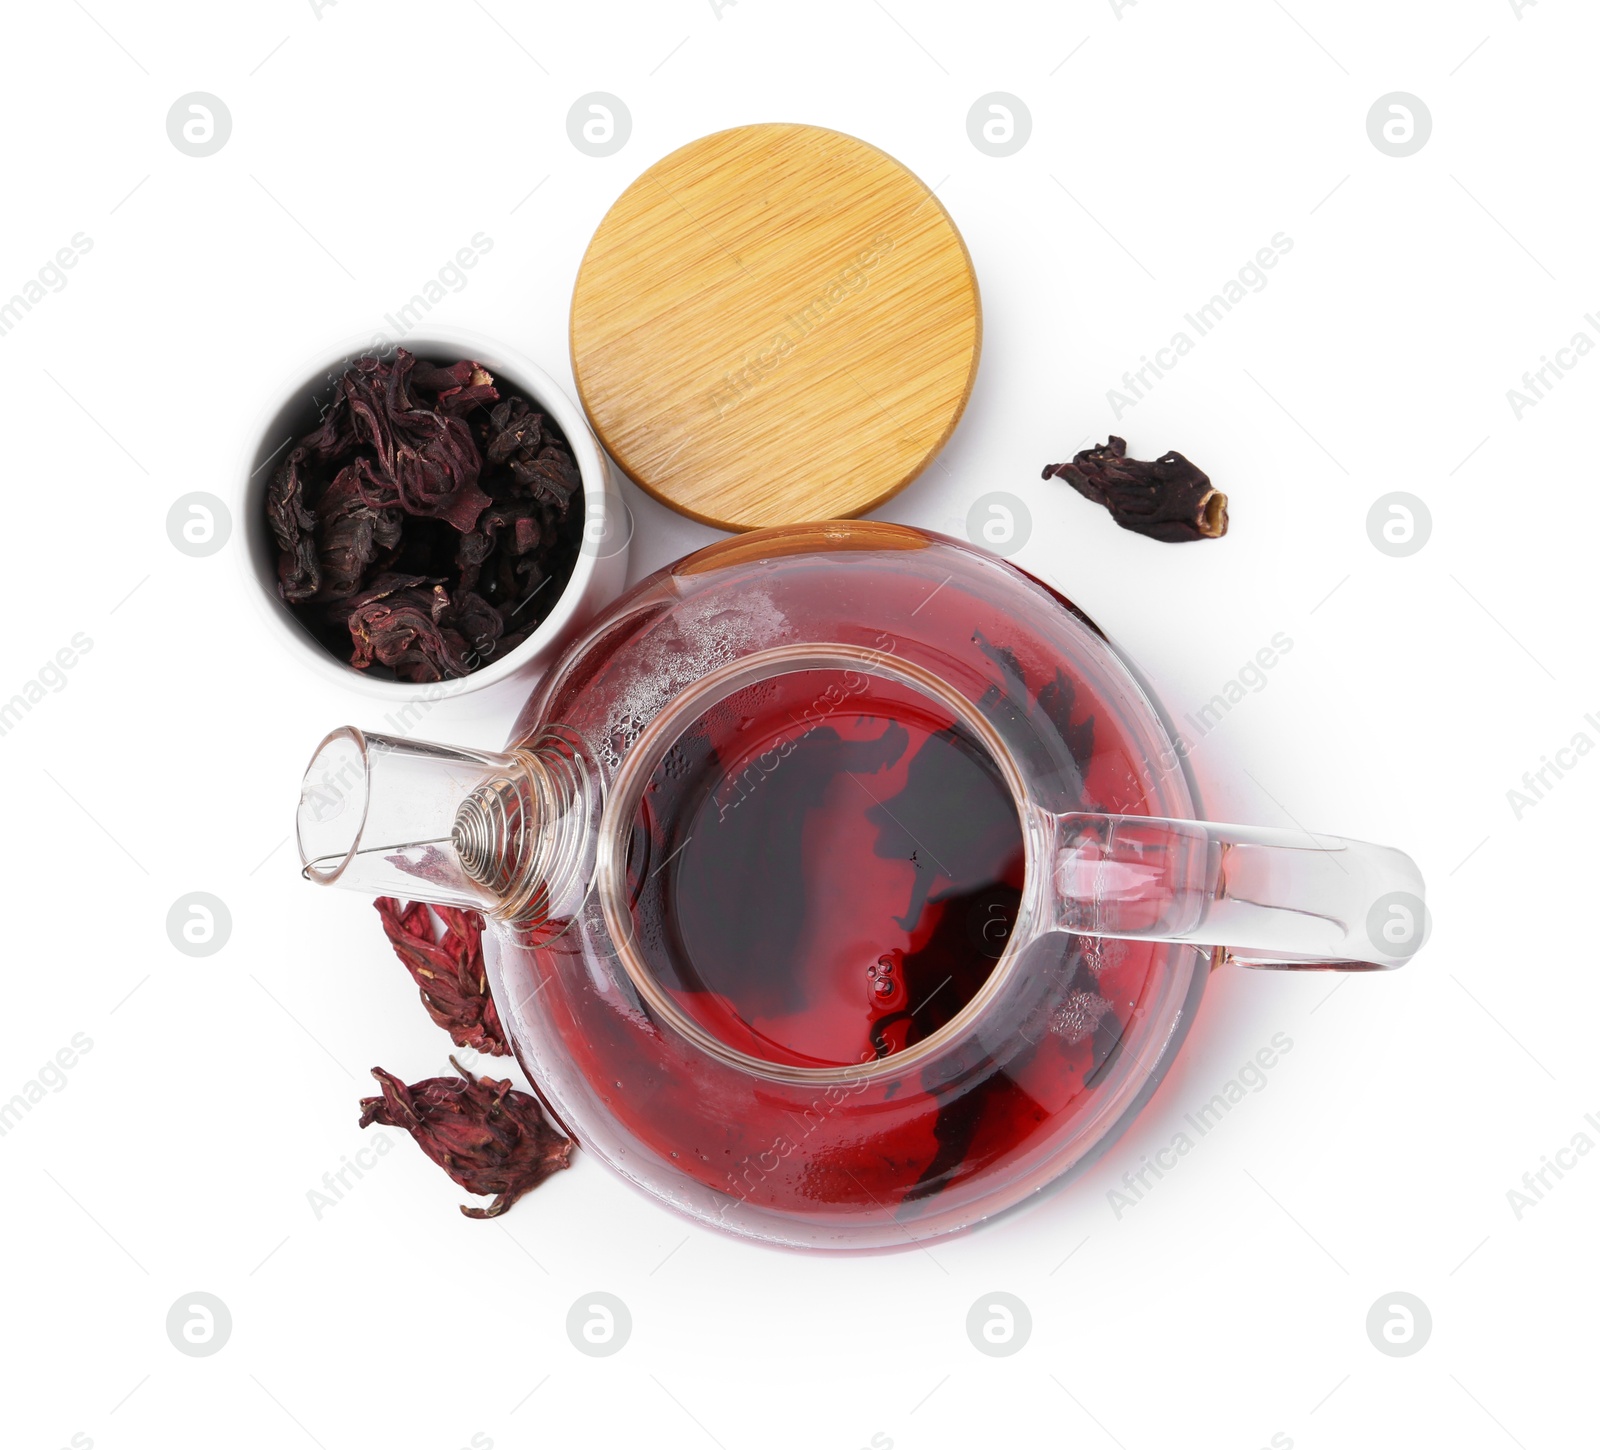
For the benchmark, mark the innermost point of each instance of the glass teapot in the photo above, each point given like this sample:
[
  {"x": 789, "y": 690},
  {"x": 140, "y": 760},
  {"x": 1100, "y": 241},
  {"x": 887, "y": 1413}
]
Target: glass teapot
[{"x": 846, "y": 887}]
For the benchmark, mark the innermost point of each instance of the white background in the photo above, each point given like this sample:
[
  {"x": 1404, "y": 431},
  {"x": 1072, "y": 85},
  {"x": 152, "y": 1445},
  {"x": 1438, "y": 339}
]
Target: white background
[{"x": 1229, "y": 1305}]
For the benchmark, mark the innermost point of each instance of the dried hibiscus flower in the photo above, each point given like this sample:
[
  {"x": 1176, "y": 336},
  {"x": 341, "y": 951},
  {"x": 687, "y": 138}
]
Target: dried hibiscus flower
[
  {"x": 288, "y": 510},
  {"x": 486, "y": 1135},
  {"x": 1169, "y": 499},
  {"x": 427, "y": 455},
  {"x": 458, "y": 388},
  {"x": 352, "y": 529},
  {"x": 449, "y": 971},
  {"x": 410, "y": 623},
  {"x": 419, "y": 525},
  {"x": 520, "y": 438}
]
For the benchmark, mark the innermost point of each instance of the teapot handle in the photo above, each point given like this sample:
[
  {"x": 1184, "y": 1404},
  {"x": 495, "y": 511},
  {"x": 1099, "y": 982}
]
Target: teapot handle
[{"x": 1270, "y": 898}]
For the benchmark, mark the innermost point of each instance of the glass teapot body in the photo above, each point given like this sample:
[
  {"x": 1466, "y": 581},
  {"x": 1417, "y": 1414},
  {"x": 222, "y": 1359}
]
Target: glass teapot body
[{"x": 881, "y": 1152}]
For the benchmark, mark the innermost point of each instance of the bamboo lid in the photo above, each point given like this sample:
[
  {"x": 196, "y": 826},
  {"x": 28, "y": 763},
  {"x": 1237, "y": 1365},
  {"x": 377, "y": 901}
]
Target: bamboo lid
[{"x": 775, "y": 324}]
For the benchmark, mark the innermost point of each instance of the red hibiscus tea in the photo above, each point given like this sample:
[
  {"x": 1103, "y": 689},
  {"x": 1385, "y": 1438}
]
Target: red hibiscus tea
[{"x": 825, "y": 868}]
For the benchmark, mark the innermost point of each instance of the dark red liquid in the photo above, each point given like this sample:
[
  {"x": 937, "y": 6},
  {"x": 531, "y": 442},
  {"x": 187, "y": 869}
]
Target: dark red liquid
[{"x": 826, "y": 868}]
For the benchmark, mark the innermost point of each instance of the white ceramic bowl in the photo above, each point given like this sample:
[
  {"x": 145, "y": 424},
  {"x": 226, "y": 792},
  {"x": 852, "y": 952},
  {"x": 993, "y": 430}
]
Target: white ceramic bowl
[{"x": 597, "y": 577}]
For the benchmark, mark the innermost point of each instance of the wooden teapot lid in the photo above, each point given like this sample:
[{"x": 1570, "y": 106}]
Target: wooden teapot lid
[{"x": 775, "y": 324}]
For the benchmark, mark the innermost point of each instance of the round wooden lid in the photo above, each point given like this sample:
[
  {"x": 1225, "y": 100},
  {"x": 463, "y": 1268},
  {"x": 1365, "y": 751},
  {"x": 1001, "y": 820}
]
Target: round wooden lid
[{"x": 775, "y": 324}]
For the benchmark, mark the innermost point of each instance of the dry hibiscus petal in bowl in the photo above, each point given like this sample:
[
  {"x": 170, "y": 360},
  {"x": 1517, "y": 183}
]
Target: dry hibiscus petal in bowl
[{"x": 428, "y": 524}]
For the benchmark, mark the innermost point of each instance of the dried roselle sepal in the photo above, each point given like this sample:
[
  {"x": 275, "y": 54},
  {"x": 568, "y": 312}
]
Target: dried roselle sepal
[
  {"x": 474, "y": 548},
  {"x": 519, "y": 439},
  {"x": 351, "y": 531},
  {"x": 480, "y": 625},
  {"x": 293, "y": 525},
  {"x": 429, "y": 456},
  {"x": 397, "y": 623},
  {"x": 515, "y": 427},
  {"x": 523, "y": 532},
  {"x": 490, "y": 1138},
  {"x": 1169, "y": 499},
  {"x": 449, "y": 971},
  {"x": 552, "y": 477},
  {"x": 294, "y": 490},
  {"x": 457, "y": 389},
  {"x": 410, "y": 623}
]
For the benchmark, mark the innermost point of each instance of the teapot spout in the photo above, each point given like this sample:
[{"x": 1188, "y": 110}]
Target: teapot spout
[{"x": 510, "y": 835}]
